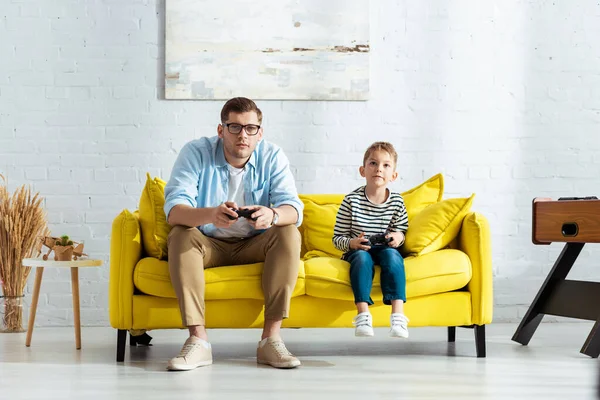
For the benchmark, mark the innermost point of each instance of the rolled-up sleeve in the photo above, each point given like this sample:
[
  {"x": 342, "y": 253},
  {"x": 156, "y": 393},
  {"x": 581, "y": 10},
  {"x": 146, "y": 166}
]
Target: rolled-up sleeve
[
  {"x": 182, "y": 187},
  {"x": 283, "y": 186}
]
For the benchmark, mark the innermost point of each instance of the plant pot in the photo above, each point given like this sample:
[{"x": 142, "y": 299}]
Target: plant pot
[
  {"x": 63, "y": 253},
  {"x": 11, "y": 311}
]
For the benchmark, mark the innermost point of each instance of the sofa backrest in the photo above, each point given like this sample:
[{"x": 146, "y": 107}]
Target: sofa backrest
[{"x": 320, "y": 211}]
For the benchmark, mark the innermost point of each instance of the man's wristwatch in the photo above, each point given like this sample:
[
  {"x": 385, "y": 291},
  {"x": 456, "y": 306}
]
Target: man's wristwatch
[{"x": 275, "y": 217}]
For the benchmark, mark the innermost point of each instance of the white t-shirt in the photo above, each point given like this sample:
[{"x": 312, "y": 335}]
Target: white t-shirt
[{"x": 241, "y": 228}]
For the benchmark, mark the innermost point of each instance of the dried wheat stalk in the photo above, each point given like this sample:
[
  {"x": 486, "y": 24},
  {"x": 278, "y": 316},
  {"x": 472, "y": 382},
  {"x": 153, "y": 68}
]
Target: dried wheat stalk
[{"x": 22, "y": 222}]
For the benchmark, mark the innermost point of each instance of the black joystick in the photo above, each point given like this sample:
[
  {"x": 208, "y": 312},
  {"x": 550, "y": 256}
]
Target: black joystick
[
  {"x": 245, "y": 213},
  {"x": 379, "y": 240}
]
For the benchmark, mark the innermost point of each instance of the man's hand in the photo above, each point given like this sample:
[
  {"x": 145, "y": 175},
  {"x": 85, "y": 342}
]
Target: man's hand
[
  {"x": 397, "y": 238},
  {"x": 358, "y": 243},
  {"x": 264, "y": 216},
  {"x": 220, "y": 213}
]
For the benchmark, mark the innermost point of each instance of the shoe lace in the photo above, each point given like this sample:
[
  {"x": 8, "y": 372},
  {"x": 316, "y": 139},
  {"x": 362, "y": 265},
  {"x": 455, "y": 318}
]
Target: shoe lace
[
  {"x": 280, "y": 348},
  {"x": 361, "y": 320},
  {"x": 188, "y": 348},
  {"x": 400, "y": 320}
]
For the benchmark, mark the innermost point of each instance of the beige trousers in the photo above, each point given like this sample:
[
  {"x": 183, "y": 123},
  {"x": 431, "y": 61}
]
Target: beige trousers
[{"x": 190, "y": 251}]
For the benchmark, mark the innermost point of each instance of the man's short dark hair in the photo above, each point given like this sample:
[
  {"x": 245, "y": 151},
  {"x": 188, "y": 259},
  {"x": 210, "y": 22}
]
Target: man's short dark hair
[{"x": 240, "y": 105}]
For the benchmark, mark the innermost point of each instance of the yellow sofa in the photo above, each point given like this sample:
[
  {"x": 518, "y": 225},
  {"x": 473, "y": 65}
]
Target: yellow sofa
[{"x": 449, "y": 276}]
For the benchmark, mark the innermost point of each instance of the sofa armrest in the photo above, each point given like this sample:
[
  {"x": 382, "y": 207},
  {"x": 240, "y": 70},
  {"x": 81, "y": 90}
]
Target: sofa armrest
[
  {"x": 474, "y": 240},
  {"x": 125, "y": 252}
]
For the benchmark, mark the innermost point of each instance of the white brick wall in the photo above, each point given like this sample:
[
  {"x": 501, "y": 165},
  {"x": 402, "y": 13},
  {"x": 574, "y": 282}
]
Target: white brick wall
[{"x": 502, "y": 96}]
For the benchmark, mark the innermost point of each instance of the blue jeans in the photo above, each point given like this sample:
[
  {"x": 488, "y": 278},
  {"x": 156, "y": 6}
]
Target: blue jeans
[{"x": 362, "y": 272}]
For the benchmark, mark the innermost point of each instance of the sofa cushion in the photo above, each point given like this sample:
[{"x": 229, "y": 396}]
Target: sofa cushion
[
  {"x": 151, "y": 276},
  {"x": 437, "y": 272},
  {"x": 423, "y": 195},
  {"x": 436, "y": 226},
  {"x": 320, "y": 211},
  {"x": 153, "y": 221}
]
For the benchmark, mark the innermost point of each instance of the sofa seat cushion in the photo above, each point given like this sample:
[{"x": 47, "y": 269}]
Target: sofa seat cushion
[
  {"x": 151, "y": 276},
  {"x": 437, "y": 272}
]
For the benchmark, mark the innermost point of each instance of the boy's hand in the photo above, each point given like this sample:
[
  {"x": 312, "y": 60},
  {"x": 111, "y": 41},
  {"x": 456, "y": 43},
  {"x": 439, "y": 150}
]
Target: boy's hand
[
  {"x": 397, "y": 238},
  {"x": 358, "y": 243}
]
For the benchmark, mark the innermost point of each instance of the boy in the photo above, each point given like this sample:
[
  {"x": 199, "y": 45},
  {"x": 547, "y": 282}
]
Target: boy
[{"x": 367, "y": 211}]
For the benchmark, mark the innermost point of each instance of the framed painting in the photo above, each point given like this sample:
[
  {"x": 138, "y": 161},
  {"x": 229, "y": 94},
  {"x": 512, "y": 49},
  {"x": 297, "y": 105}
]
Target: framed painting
[{"x": 279, "y": 50}]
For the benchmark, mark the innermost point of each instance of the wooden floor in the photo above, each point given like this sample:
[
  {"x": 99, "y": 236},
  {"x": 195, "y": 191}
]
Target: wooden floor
[{"x": 336, "y": 365}]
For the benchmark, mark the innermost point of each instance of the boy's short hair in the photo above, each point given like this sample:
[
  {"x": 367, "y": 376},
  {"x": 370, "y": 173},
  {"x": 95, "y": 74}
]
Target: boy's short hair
[
  {"x": 240, "y": 105},
  {"x": 382, "y": 146}
]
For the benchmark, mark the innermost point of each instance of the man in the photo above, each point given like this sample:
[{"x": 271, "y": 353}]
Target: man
[{"x": 211, "y": 179}]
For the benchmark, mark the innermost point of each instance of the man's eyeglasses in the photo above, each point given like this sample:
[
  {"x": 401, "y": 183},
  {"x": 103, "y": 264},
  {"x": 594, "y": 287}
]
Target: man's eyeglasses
[{"x": 250, "y": 129}]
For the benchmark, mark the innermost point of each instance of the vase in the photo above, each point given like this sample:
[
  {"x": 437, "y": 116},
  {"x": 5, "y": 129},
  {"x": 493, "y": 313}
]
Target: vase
[
  {"x": 63, "y": 253},
  {"x": 11, "y": 312}
]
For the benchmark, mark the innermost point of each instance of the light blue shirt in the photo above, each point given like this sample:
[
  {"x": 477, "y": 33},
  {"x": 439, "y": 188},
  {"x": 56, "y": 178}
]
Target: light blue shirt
[{"x": 200, "y": 178}]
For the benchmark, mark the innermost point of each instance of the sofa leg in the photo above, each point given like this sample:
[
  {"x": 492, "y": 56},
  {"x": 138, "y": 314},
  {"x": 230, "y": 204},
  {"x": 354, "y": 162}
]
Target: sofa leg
[
  {"x": 451, "y": 334},
  {"x": 142, "y": 340},
  {"x": 121, "y": 339},
  {"x": 480, "y": 340}
]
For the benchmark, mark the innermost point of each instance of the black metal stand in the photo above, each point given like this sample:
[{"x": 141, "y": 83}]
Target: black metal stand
[{"x": 565, "y": 298}]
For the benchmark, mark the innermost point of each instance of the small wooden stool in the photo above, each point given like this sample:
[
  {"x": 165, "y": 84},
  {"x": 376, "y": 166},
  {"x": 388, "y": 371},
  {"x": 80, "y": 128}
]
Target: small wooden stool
[{"x": 40, "y": 264}]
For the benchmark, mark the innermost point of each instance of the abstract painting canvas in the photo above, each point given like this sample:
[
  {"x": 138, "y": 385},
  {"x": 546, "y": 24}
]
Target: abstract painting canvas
[{"x": 275, "y": 50}]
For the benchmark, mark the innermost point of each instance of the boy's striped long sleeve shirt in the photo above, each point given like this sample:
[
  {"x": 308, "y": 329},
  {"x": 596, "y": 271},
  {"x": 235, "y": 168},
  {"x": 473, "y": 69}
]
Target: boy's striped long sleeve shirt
[{"x": 357, "y": 214}]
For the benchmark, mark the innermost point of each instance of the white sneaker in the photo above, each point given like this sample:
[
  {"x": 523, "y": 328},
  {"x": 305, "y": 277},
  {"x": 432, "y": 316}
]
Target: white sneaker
[
  {"x": 399, "y": 325},
  {"x": 364, "y": 324}
]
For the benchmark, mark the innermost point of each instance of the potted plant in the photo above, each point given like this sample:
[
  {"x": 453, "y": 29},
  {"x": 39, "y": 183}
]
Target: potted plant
[{"x": 63, "y": 249}]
